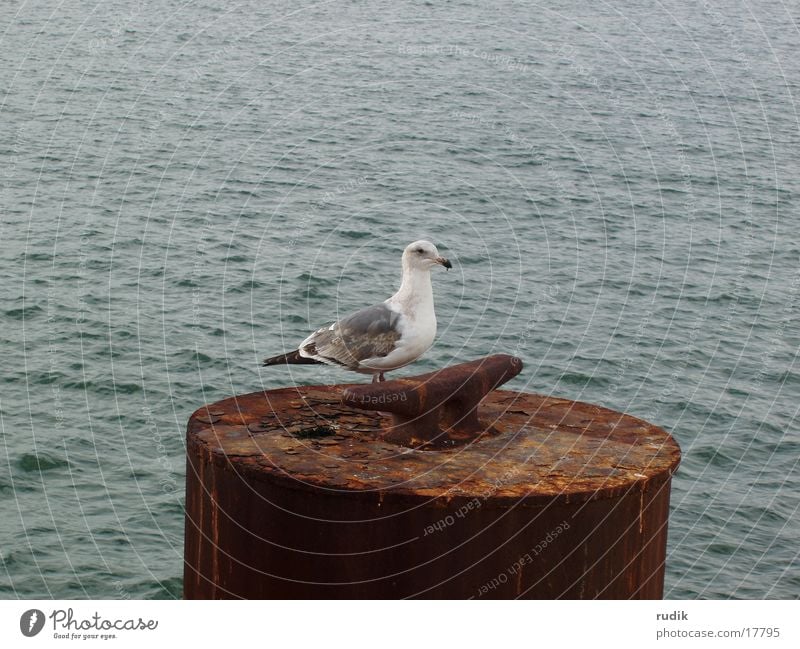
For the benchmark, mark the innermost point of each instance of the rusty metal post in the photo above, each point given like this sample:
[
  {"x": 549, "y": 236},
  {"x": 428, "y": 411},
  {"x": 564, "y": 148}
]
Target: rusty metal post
[{"x": 300, "y": 493}]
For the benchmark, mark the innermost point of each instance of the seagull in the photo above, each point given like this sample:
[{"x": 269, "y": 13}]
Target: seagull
[{"x": 385, "y": 336}]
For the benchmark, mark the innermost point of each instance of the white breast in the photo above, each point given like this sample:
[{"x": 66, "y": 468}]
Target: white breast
[{"x": 417, "y": 326}]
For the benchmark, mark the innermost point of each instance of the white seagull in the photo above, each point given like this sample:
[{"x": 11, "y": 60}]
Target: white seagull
[{"x": 383, "y": 337}]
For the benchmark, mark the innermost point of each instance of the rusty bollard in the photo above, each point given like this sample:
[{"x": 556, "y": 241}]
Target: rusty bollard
[
  {"x": 418, "y": 488},
  {"x": 440, "y": 409}
]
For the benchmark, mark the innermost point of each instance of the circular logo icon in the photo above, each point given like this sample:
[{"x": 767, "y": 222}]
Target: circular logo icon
[{"x": 31, "y": 622}]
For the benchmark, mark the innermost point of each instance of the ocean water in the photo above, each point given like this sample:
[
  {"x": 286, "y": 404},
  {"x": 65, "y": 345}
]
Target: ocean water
[{"x": 189, "y": 187}]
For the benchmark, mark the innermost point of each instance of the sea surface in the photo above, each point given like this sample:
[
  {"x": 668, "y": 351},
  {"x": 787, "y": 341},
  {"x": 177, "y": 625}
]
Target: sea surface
[{"x": 187, "y": 187}]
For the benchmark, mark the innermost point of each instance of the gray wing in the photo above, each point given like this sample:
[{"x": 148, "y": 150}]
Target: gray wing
[{"x": 368, "y": 333}]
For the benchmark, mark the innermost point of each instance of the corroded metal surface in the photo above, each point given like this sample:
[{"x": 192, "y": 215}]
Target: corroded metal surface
[
  {"x": 546, "y": 448},
  {"x": 292, "y": 494},
  {"x": 439, "y": 409}
]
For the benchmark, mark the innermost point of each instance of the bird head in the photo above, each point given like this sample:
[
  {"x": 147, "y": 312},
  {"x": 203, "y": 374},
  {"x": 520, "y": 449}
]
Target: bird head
[{"x": 423, "y": 255}]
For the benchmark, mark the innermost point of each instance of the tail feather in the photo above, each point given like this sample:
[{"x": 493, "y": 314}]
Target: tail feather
[{"x": 290, "y": 358}]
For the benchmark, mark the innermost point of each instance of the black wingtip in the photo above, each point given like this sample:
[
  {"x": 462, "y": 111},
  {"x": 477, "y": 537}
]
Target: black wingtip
[{"x": 289, "y": 358}]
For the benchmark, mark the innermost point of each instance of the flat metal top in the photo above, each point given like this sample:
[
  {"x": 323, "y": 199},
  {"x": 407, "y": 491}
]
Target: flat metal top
[{"x": 543, "y": 449}]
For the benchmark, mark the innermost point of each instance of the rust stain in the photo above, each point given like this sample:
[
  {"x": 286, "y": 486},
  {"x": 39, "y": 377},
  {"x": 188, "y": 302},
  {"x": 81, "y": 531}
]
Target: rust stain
[{"x": 546, "y": 447}]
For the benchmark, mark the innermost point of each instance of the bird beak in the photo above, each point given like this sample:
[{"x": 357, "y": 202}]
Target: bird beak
[{"x": 444, "y": 262}]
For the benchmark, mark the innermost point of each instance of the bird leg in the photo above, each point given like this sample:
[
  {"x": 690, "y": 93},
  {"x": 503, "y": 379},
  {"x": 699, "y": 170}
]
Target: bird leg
[{"x": 378, "y": 378}]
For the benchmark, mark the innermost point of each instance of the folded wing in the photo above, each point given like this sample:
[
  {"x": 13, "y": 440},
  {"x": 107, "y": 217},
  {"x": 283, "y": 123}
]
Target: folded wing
[{"x": 372, "y": 332}]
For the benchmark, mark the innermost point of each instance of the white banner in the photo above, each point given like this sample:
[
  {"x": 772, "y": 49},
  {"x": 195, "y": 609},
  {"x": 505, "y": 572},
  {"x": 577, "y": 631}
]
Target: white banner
[{"x": 370, "y": 624}]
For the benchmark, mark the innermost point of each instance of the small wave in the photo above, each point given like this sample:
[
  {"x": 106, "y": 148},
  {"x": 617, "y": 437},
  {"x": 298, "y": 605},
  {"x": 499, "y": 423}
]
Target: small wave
[
  {"x": 299, "y": 319},
  {"x": 33, "y": 463},
  {"x": 111, "y": 535},
  {"x": 34, "y": 256},
  {"x": 311, "y": 293},
  {"x": 355, "y": 234},
  {"x": 200, "y": 357},
  {"x": 715, "y": 456},
  {"x": 237, "y": 258},
  {"x": 105, "y": 387},
  {"x": 315, "y": 279},
  {"x": 171, "y": 588},
  {"x": 584, "y": 380},
  {"x": 25, "y": 312}
]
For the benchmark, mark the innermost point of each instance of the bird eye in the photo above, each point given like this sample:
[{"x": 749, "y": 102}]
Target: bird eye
[{"x": 420, "y": 250}]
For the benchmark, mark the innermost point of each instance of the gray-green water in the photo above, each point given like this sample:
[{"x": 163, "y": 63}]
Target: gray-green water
[{"x": 188, "y": 187}]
